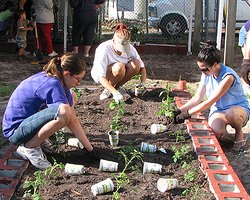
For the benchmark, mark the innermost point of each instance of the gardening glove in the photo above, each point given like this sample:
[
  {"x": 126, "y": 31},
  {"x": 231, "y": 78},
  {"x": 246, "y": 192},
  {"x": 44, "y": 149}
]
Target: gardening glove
[
  {"x": 176, "y": 112},
  {"x": 141, "y": 89},
  {"x": 181, "y": 117},
  {"x": 94, "y": 154},
  {"x": 245, "y": 70},
  {"x": 117, "y": 96}
]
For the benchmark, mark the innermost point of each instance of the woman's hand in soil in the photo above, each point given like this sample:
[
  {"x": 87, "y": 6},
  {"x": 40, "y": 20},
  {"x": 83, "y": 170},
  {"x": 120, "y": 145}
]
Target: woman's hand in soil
[
  {"x": 245, "y": 70},
  {"x": 176, "y": 112},
  {"x": 181, "y": 117},
  {"x": 94, "y": 154},
  {"x": 117, "y": 96}
]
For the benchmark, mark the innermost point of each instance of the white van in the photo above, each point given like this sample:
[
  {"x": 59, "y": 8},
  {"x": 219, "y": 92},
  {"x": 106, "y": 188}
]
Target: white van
[{"x": 172, "y": 16}]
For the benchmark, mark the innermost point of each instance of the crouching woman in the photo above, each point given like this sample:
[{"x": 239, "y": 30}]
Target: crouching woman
[{"x": 41, "y": 105}]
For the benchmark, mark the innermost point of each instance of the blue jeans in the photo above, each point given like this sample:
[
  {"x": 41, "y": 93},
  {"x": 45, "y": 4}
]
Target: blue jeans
[{"x": 30, "y": 126}]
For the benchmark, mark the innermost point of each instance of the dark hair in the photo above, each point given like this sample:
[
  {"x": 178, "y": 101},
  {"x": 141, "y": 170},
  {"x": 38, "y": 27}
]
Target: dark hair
[
  {"x": 20, "y": 12},
  {"x": 68, "y": 62},
  {"x": 209, "y": 54},
  {"x": 99, "y": 1}
]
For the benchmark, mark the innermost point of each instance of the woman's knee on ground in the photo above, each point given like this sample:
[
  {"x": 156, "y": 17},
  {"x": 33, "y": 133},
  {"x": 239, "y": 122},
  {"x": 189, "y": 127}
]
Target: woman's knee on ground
[{"x": 65, "y": 113}]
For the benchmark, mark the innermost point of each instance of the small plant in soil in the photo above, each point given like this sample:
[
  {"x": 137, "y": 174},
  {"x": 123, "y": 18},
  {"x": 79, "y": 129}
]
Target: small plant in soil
[
  {"x": 167, "y": 106},
  {"x": 41, "y": 178},
  {"x": 77, "y": 91},
  {"x": 117, "y": 124},
  {"x": 129, "y": 154},
  {"x": 181, "y": 154},
  {"x": 178, "y": 134},
  {"x": 191, "y": 174}
]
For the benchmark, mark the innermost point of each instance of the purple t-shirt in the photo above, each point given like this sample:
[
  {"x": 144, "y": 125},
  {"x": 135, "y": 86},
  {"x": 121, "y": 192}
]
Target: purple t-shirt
[{"x": 31, "y": 95}]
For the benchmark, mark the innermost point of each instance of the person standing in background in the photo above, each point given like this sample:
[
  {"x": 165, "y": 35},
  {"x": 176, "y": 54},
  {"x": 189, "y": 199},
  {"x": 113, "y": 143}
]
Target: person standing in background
[
  {"x": 244, "y": 43},
  {"x": 22, "y": 28},
  {"x": 27, "y": 6},
  {"x": 7, "y": 20},
  {"x": 85, "y": 19},
  {"x": 45, "y": 21}
]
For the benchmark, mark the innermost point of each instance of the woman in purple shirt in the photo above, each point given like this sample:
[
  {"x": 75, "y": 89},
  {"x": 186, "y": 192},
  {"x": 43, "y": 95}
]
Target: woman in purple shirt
[{"x": 41, "y": 105}]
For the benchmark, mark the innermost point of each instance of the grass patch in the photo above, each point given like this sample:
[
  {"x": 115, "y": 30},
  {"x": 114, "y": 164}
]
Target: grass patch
[{"x": 7, "y": 89}]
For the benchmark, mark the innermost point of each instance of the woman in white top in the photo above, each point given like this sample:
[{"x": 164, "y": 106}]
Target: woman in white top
[{"x": 116, "y": 62}]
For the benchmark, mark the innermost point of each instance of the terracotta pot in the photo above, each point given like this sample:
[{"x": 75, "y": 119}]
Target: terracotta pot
[{"x": 182, "y": 85}]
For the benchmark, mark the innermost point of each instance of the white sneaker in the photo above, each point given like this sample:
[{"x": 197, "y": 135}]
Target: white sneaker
[
  {"x": 12, "y": 40},
  {"x": 53, "y": 54},
  {"x": 26, "y": 53},
  {"x": 105, "y": 94},
  {"x": 35, "y": 156}
]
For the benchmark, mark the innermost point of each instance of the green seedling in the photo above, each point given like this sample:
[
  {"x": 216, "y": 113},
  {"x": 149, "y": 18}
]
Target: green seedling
[
  {"x": 195, "y": 193},
  {"x": 41, "y": 178},
  {"x": 129, "y": 154},
  {"x": 77, "y": 91},
  {"x": 167, "y": 106},
  {"x": 180, "y": 154},
  {"x": 190, "y": 174},
  {"x": 117, "y": 123},
  {"x": 179, "y": 137}
]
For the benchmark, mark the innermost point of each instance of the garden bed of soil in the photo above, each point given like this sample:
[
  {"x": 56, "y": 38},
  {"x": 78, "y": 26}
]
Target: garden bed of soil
[{"x": 96, "y": 117}]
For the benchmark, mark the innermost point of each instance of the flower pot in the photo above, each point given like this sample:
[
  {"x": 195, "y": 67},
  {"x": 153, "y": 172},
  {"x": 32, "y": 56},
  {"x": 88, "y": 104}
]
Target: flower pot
[
  {"x": 102, "y": 187},
  {"x": 73, "y": 169},
  {"x": 151, "y": 167},
  {"x": 158, "y": 128},
  {"x": 164, "y": 184},
  {"x": 108, "y": 166},
  {"x": 139, "y": 91},
  {"x": 113, "y": 138},
  {"x": 182, "y": 85}
]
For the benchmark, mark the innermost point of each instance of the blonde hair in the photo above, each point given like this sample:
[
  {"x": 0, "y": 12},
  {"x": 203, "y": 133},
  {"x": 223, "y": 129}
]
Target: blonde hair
[
  {"x": 122, "y": 31},
  {"x": 68, "y": 62}
]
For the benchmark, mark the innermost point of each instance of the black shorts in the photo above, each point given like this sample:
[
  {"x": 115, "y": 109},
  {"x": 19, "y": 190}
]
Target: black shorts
[{"x": 84, "y": 26}]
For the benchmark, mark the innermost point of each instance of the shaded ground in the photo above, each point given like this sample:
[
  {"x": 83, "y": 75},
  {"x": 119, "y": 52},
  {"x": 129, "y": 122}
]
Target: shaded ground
[{"x": 95, "y": 116}]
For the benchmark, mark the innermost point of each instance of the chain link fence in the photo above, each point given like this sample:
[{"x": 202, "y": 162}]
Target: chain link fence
[{"x": 150, "y": 21}]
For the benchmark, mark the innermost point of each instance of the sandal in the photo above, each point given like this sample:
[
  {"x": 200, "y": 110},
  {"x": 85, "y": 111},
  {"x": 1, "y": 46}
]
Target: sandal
[{"x": 239, "y": 145}]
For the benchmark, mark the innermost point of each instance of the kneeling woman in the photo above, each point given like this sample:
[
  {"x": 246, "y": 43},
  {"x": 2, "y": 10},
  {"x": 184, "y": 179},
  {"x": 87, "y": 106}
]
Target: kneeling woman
[{"x": 41, "y": 105}]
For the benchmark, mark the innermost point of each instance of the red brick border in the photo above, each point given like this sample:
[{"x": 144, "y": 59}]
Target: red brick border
[
  {"x": 223, "y": 181},
  {"x": 11, "y": 171}
]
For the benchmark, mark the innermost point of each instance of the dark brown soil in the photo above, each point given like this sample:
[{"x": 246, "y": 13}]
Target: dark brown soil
[{"x": 96, "y": 116}]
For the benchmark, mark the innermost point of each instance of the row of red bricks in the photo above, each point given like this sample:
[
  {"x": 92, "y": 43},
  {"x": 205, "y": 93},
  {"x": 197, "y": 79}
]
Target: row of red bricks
[
  {"x": 223, "y": 181},
  {"x": 11, "y": 171}
]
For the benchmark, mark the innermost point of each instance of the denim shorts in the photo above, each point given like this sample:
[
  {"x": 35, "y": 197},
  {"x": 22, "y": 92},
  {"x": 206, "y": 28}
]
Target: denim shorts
[{"x": 31, "y": 125}]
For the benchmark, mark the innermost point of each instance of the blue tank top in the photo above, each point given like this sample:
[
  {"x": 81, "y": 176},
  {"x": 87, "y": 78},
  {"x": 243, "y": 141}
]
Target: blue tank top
[{"x": 235, "y": 96}]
